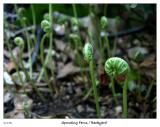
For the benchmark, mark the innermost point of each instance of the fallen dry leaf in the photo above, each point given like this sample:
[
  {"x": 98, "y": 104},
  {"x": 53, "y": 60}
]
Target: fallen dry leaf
[
  {"x": 68, "y": 69},
  {"x": 10, "y": 66},
  {"x": 149, "y": 61},
  {"x": 60, "y": 45},
  {"x": 148, "y": 66},
  {"x": 20, "y": 100},
  {"x": 19, "y": 115}
]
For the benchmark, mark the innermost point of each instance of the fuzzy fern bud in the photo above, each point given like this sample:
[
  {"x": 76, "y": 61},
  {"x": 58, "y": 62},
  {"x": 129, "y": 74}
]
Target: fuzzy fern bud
[
  {"x": 88, "y": 52},
  {"x": 116, "y": 66},
  {"x": 46, "y": 16},
  {"x": 46, "y": 26},
  {"x": 74, "y": 37},
  {"x": 24, "y": 19},
  {"x": 21, "y": 12},
  {"x": 62, "y": 19},
  {"x": 104, "y": 22},
  {"x": 20, "y": 42},
  {"x": 74, "y": 22}
]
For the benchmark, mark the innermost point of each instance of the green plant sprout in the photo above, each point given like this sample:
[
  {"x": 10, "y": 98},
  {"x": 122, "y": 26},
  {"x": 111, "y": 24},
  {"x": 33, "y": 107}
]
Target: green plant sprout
[
  {"x": 62, "y": 19},
  {"x": 33, "y": 15},
  {"x": 104, "y": 38},
  {"x": 47, "y": 27},
  {"x": 26, "y": 109},
  {"x": 46, "y": 16},
  {"x": 23, "y": 19},
  {"x": 20, "y": 42},
  {"x": 34, "y": 21},
  {"x": 75, "y": 24},
  {"x": 77, "y": 43},
  {"x": 76, "y": 37},
  {"x": 74, "y": 10},
  {"x": 88, "y": 56},
  {"x": 104, "y": 22},
  {"x": 115, "y": 67},
  {"x": 16, "y": 64}
]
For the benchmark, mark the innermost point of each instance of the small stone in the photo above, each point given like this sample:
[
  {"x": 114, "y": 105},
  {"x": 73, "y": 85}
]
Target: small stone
[
  {"x": 130, "y": 104},
  {"x": 21, "y": 101},
  {"x": 20, "y": 115},
  {"x": 66, "y": 117},
  {"x": 136, "y": 42},
  {"x": 69, "y": 88},
  {"x": 78, "y": 91},
  {"x": 89, "y": 109},
  {"x": 7, "y": 97},
  {"x": 91, "y": 115},
  {"x": 120, "y": 41},
  {"x": 7, "y": 78},
  {"x": 80, "y": 108},
  {"x": 59, "y": 29},
  {"x": 118, "y": 51},
  {"x": 39, "y": 103},
  {"x": 118, "y": 109},
  {"x": 103, "y": 111},
  {"x": 67, "y": 97}
]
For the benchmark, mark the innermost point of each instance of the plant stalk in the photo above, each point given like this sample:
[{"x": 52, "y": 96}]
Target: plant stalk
[
  {"x": 74, "y": 10},
  {"x": 28, "y": 42},
  {"x": 125, "y": 111},
  {"x": 16, "y": 66},
  {"x": 32, "y": 84},
  {"x": 113, "y": 91},
  {"x": 34, "y": 21},
  {"x": 91, "y": 67}
]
